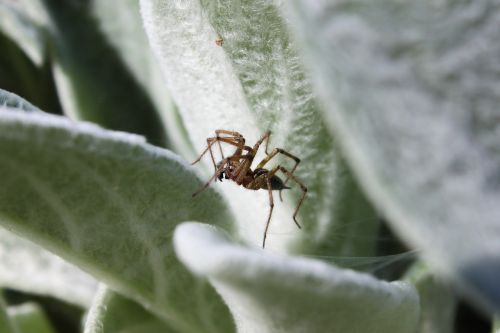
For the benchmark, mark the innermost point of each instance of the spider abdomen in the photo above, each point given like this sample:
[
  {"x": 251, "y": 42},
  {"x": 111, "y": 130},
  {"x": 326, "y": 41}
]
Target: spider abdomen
[{"x": 277, "y": 183}]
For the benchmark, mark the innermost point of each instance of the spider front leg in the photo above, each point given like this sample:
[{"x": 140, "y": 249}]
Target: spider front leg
[
  {"x": 215, "y": 175},
  {"x": 222, "y": 165},
  {"x": 232, "y": 135},
  {"x": 232, "y": 141},
  {"x": 258, "y": 143}
]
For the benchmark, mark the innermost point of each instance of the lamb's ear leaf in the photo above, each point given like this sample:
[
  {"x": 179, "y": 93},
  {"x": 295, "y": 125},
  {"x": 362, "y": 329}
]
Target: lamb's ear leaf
[
  {"x": 410, "y": 100},
  {"x": 108, "y": 202},
  {"x": 6, "y": 324},
  {"x": 252, "y": 83},
  {"x": 273, "y": 293},
  {"x": 13, "y": 101},
  {"x": 92, "y": 80},
  {"x": 29, "y": 317},
  {"x": 27, "y": 267},
  {"x": 113, "y": 313},
  {"x": 438, "y": 301},
  {"x": 24, "y": 77},
  {"x": 18, "y": 23},
  {"x": 121, "y": 24}
]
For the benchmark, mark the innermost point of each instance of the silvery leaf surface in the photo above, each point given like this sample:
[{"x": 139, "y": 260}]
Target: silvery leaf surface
[
  {"x": 27, "y": 267},
  {"x": 277, "y": 293},
  {"x": 108, "y": 202},
  {"x": 113, "y": 313},
  {"x": 251, "y": 83},
  {"x": 411, "y": 91},
  {"x": 29, "y": 317}
]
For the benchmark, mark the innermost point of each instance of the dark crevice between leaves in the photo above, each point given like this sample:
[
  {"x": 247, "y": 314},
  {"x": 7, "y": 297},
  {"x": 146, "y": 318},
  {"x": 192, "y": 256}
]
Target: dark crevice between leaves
[
  {"x": 389, "y": 244},
  {"x": 106, "y": 91},
  {"x": 64, "y": 317},
  {"x": 22, "y": 77},
  {"x": 468, "y": 319}
]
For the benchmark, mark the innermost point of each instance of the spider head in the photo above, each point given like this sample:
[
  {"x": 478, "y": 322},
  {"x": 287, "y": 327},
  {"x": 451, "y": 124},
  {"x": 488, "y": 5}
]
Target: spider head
[
  {"x": 223, "y": 173},
  {"x": 277, "y": 183}
]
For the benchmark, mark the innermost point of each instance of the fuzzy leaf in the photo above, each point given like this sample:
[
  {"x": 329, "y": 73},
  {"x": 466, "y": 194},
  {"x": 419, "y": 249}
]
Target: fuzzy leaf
[
  {"x": 92, "y": 81},
  {"x": 271, "y": 293},
  {"x": 29, "y": 318},
  {"x": 19, "y": 74},
  {"x": 253, "y": 83},
  {"x": 112, "y": 313},
  {"x": 6, "y": 324},
  {"x": 438, "y": 302},
  {"x": 121, "y": 23},
  {"x": 8, "y": 99},
  {"x": 29, "y": 268},
  {"x": 410, "y": 91},
  {"x": 108, "y": 202},
  {"x": 17, "y": 22}
]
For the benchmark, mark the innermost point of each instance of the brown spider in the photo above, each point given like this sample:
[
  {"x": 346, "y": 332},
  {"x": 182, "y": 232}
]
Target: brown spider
[{"x": 237, "y": 167}]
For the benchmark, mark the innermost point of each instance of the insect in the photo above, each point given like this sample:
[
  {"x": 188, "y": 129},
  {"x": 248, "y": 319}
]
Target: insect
[{"x": 237, "y": 168}]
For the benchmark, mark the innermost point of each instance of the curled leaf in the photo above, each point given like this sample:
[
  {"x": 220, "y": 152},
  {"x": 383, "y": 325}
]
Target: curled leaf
[
  {"x": 409, "y": 93},
  {"x": 108, "y": 202},
  {"x": 271, "y": 293}
]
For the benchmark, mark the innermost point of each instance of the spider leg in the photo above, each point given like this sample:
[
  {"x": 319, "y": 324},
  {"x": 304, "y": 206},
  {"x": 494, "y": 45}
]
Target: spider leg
[
  {"x": 267, "y": 141},
  {"x": 235, "y": 141},
  {"x": 217, "y": 172},
  {"x": 231, "y": 135},
  {"x": 211, "y": 141},
  {"x": 275, "y": 152},
  {"x": 258, "y": 183},
  {"x": 302, "y": 187},
  {"x": 223, "y": 163},
  {"x": 209, "y": 146},
  {"x": 258, "y": 143},
  {"x": 271, "y": 207},
  {"x": 242, "y": 170}
]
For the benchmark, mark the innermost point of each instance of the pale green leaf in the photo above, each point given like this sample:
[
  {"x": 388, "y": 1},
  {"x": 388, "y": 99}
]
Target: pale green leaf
[
  {"x": 17, "y": 22},
  {"x": 108, "y": 202},
  {"x": 92, "y": 80},
  {"x": 121, "y": 24},
  {"x": 112, "y": 313},
  {"x": 8, "y": 99},
  {"x": 19, "y": 74},
  {"x": 276, "y": 293},
  {"x": 27, "y": 267},
  {"x": 253, "y": 83},
  {"x": 30, "y": 318},
  {"x": 6, "y": 324},
  {"x": 438, "y": 301},
  {"x": 410, "y": 90}
]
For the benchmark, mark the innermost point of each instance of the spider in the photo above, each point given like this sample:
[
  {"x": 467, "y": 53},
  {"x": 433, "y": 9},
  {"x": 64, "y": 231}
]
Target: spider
[{"x": 237, "y": 168}]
